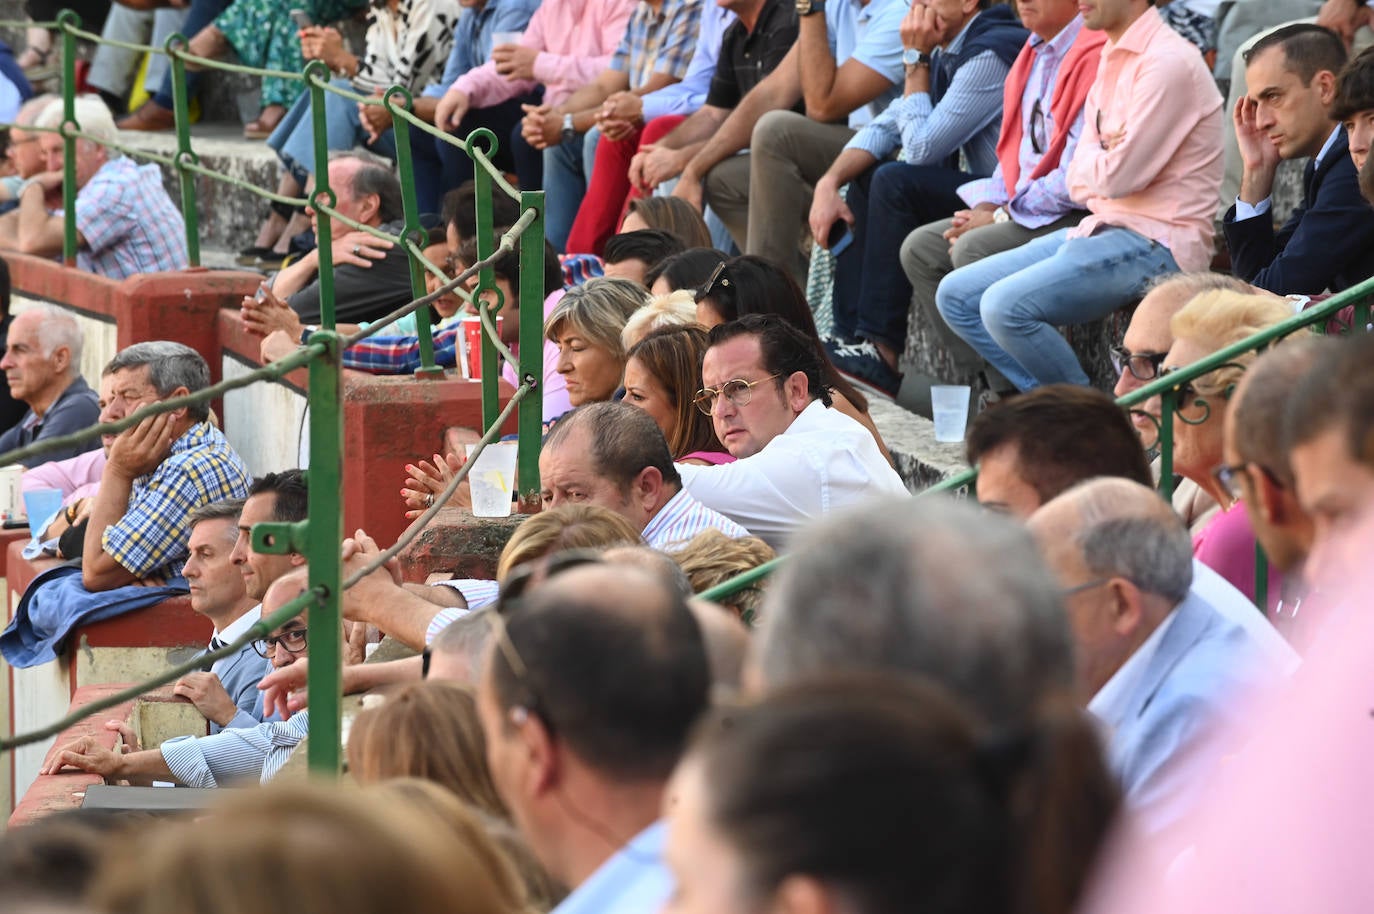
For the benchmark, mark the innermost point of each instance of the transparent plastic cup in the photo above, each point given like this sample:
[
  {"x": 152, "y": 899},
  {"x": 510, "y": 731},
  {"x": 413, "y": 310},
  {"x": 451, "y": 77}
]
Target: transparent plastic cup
[
  {"x": 949, "y": 408},
  {"x": 500, "y": 38},
  {"x": 492, "y": 479}
]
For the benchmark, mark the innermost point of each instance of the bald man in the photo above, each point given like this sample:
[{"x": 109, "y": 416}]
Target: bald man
[{"x": 1158, "y": 664}]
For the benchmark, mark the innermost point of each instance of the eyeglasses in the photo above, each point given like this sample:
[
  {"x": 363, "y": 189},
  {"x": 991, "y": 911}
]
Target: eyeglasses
[
  {"x": 718, "y": 278},
  {"x": 1079, "y": 588},
  {"x": 1229, "y": 476},
  {"x": 1143, "y": 366},
  {"x": 1038, "y": 136},
  {"x": 292, "y": 641},
  {"x": 738, "y": 391}
]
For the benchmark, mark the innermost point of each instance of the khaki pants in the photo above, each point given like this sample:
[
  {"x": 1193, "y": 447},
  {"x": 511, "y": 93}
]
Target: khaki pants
[{"x": 764, "y": 198}]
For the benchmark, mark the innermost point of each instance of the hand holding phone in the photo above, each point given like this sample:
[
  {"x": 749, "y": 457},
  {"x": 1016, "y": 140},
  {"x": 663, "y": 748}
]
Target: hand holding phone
[{"x": 840, "y": 238}]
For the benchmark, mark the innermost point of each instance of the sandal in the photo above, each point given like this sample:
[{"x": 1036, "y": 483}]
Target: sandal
[{"x": 267, "y": 121}]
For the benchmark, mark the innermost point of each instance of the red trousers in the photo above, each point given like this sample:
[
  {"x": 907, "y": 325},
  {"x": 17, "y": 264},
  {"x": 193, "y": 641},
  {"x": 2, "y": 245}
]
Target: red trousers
[{"x": 603, "y": 208}]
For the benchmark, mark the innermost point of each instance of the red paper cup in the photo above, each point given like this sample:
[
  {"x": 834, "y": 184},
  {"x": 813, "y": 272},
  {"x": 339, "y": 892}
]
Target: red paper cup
[{"x": 472, "y": 343}]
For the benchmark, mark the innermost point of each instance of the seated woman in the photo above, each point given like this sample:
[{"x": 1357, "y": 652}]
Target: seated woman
[
  {"x": 1209, "y": 323},
  {"x": 673, "y": 215},
  {"x": 712, "y": 558},
  {"x": 688, "y": 270},
  {"x": 674, "y": 309},
  {"x": 662, "y": 376},
  {"x": 407, "y": 43},
  {"x": 752, "y": 285},
  {"x": 586, "y": 326},
  {"x": 844, "y": 824}
]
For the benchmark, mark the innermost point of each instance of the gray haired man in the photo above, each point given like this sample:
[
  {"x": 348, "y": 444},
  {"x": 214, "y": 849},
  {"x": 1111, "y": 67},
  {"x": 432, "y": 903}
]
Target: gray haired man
[
  {"x": 158, "y": 472},
  {"x": 42, "y": 365}
]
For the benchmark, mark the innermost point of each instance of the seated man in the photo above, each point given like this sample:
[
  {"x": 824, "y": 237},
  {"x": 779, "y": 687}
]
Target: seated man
[
  {"x": 1157, "y": 663},
  {"x": 125, "y": 222},
  {"x": 1259, "y": 473},
  {"x": 612, "y": 674},
  {"x": 631, "y": 255},
  {"x": 231, "y": 756},
  {"x": 371, "y": 276},
  {"x": 653, "y": 53},
  {"x": 1354, "y": 108},
  {"x": 797, "y": 458},
  {"x": 26, "y": 159},
  {"x": 42, "y": 365},
  {"x": 945, "y": 126},
  {"x": 158, "y": 471},
  {"x": 843, "y": 70},
  {"x": 1325, "y": 244},
  {"x": 1027, "y": 196},
  {"x": 227, "y": 691},
  {"x": 1147, "y": 167}
]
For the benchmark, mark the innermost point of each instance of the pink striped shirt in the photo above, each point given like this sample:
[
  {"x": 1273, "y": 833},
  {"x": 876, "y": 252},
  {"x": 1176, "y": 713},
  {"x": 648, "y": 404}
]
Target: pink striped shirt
[
  {"x": 575, "y": 40},
  {"x": 1163, "y": 180}
]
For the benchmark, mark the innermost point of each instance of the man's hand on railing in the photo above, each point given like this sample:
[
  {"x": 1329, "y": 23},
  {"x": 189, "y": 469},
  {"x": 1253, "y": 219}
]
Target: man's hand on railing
[
  {"x": 206, "y": 692},
  {"x": 453, "y": 107},
  {"x": 87, "y": 754},
  {"x": 426, "y": 481},
  {"x": 267, "y": 313},
  {"x": 541, "y": 127},
  {"x": 514, "y": 61}
]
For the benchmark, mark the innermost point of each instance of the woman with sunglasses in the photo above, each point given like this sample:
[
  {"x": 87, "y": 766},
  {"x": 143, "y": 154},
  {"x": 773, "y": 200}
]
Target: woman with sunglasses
[
  {"x": 662, "y": 376},
  {"x": 1208, "y": 324},
  {"x": 753, "y": 285}
]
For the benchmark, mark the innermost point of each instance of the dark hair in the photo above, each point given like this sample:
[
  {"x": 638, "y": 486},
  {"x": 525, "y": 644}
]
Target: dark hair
[
  {"x": 292, "y": 496},
  {"x": 1355, "y": 87},
  {"x": 1063, "y": 434},
  {"x": 673, "y": 356},
  {"x": 841, "y": 778},
  {"x": 625, "y": 441},
  {"x": 55, "y": 859},
  {"x": 459, "y": 209},
  {"x": 651, "y": 246},
  {"x": 373, "y": 178},
  {"x": 675, "y": 216},
  {"x": 507, "y": 265},
  {"x": 786, "y": 350},
  {"x": 688, "y": 270},
  {"x": 1268, "y": 386},
  {"x": 753, "y": 285},
  {"x": 4, "y": 288},
  {"x": 1307, "y": 49},
  {"x": 619, "y": 672},
  {"x": 1337, "y": 394}
]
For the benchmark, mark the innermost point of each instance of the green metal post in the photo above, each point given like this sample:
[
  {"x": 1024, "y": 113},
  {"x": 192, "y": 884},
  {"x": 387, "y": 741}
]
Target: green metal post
[
  {"x": 190, "y": 210},
  {"x": 1261, "y": 578},
  {"x": 491, "y": 406},
  {"x": 531, "y": 415},
  {"x": 401, "y": 131},
  {"x": 316, "y": 70},
  {"x": 68, "y": 18},
  {"x": 1166, "y": 444}
]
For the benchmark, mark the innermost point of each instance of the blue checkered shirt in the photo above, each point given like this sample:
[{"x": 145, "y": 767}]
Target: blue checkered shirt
[
  {"x": 153, "y": 533},
  {"x": 128, "y": 222},
  {"x": 658, "y": 42}
]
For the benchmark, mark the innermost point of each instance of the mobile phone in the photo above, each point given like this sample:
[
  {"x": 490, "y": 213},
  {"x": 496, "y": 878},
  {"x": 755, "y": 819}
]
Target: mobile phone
[
  {"x": 301, "y": 18},
  {"x": 840, "y": 238}
]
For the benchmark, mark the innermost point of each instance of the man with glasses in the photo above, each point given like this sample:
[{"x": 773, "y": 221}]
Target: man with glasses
[
  {"x": 1041, "y": 106},
  {"x": 230, "y": 756},
  {"x": 1158, "y": 662},
  {"x": 796, "y": 457},
  {"x": 590, "y": 688}
]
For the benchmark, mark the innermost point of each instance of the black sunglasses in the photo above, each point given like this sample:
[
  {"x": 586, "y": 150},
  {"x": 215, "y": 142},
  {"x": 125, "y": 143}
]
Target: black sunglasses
[{"x": 718, "y": 280}]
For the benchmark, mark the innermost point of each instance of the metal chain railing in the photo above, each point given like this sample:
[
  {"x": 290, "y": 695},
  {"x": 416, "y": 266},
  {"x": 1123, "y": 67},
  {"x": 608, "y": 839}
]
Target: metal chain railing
[{"x": 319, "y": 537}]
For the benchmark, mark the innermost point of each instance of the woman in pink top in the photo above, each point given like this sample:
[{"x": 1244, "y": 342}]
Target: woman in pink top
[
  {"x": 1207, "y": 324},
  {"x": 662, "y": 377}
]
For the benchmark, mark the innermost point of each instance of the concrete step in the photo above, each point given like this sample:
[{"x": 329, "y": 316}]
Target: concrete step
[{"x": 921, "y": 460}]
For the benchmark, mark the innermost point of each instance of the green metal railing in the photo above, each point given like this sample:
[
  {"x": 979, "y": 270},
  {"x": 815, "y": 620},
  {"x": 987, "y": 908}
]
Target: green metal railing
[
  {"x": 319, "y": 537},
  {"x": 1317, "y": 319}
]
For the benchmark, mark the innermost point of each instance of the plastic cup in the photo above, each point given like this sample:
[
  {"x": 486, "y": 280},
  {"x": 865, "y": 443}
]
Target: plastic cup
[
  {"x": 472, "y": 344},
  {"x": 492, "y": 479},
  {"x": 41, "y": 504},
  {"x": 11, "y": 489},
  {"x": 949, "y": 408},
  {"x": 500, "y": 38}
]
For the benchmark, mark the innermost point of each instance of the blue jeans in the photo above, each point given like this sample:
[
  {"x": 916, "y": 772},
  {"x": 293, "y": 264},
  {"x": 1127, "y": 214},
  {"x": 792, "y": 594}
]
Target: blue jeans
[
  {"x": 1008, "y": 306},
  {"x": 200, "y": 14},
  {"x": 293, "y": 139},
  {"x": 440, "y": 166},
  {"x": 567, "y": 172}
]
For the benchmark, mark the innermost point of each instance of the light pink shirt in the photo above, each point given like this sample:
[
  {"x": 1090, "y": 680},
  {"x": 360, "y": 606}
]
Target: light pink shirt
[
  {"x": 556, "y": 401},
  {"x": 575, "y": 40},
  {"x": 77, "y": 477},
  {"x": 1163, "y": 180}
]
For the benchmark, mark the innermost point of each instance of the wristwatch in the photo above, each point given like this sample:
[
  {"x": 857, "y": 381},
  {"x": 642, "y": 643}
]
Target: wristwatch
[
  {"x": 569, "y": 130},
  {"x": 808, "y": 7},
  {"x": 911, "y": 57},
  {"x": 1001, "y": 215}
]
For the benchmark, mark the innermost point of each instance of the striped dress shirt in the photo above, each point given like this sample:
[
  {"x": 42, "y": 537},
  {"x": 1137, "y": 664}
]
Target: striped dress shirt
[{"x": 235, "y": 755}]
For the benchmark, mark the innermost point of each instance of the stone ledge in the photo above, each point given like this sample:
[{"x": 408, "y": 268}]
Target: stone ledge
[{"x": 921, "y": 460}]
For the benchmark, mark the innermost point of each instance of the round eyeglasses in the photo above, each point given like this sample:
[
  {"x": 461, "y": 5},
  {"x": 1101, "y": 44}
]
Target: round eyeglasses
[{"x": 738, "y": 391}]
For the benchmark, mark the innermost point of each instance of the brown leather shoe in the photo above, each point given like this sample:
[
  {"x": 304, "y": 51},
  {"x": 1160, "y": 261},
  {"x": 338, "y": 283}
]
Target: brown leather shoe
[{"x": 149, "y": 116}]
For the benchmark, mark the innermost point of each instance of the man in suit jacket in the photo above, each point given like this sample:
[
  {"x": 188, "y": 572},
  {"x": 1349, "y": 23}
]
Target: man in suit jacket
[
  {"x": 1159, "y": 663},
  {"x": 1291, "y": 75},
  {"x": 226, "y": 691}
]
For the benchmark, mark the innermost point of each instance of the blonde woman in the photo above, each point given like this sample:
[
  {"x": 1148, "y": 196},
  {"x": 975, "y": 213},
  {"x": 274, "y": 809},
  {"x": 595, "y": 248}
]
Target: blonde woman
[{"x": 586, "y": 326}]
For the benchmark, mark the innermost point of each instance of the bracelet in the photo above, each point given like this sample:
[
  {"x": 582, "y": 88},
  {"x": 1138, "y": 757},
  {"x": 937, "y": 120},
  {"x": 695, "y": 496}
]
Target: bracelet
[{"x": 306, "y": 331}]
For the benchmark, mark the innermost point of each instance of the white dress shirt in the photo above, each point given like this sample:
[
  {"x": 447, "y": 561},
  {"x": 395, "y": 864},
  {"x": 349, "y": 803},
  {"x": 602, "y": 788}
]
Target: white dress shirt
[{"x": 824, "y": 461}]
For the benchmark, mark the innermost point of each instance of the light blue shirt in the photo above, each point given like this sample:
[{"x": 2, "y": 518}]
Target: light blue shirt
[
  {"x": 870, "y": 35},
  {"x": 687, "y": 96},
  {"x": 232, "y": 756},
  {"x": 1246, "y": 211},
  {"x": 472, "y": 38},
  {"x": 240, "y": 673},
  {"x": 633, "y": 880}
]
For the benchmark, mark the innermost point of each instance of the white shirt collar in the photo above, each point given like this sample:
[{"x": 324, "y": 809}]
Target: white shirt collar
[
  {"x": 235, "y": 629},
  {"x": 1326, "y": 147},
  {"x": 1107, "y": 704}
]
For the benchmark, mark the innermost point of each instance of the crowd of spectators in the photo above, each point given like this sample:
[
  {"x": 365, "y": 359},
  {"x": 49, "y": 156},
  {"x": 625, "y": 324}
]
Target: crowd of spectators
[{"x": 1069, "y": 667}]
